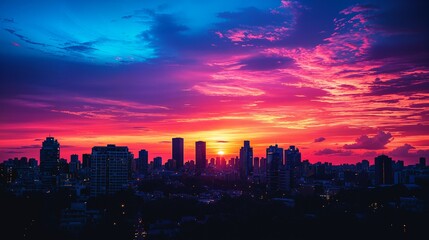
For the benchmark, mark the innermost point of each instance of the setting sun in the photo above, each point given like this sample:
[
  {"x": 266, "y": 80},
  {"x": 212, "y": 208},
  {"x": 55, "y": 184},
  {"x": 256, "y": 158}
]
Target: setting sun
[{"x": 221, "y": 152}]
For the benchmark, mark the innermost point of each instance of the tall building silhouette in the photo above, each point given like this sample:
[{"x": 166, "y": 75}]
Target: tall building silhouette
[
  {"x": 263, "y": 167},
  {"x": 383, "y": 170},
  {"x": 142, "y": 162},
  {"x": 274, "y": 163},
  {"x": 200, "y": 156},
  {"x": 293, "y": 157},
  {"x": 178, "y": 151},
  {"x": 49, "y": 161},
  {"x": 109, "y": 169},
  {"x": 246, "y": 157},
  {"x": 293, "y": 164}
]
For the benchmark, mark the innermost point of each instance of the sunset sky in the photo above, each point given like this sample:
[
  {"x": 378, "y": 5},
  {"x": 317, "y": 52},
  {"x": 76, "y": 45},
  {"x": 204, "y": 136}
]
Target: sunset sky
[{"x": 341, "y": 80}]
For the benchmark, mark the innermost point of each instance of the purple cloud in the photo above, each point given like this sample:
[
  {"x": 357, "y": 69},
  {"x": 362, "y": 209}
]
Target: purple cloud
[
  {"x": 263, "y": 63},
  {"x": 328, "y": 151},
  {"x": 404, "y": 151},
  {"x": 404, "y": 85},
  {"x": 371, "y": 143},
  {"x": 320, "y": 139},
  {"x": 252, "y": 24}
]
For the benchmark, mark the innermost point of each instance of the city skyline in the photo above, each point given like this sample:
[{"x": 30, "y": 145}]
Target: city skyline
[
  {"x": 289, "y": 158},
  {"x": 343, "y": 81},
  {"x": 189, "y": 153}
]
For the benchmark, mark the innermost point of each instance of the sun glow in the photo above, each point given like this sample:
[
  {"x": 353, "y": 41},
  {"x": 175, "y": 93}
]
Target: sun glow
[{"x": 221, "y": 153}]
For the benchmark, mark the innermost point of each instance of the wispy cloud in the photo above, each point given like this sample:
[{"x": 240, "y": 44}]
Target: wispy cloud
[
  {"x": 328, "y": 151},
  {"x": 227, "y": 90}
]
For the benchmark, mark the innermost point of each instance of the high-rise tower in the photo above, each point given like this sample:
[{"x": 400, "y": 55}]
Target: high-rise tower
[
  {"x": 200, "y": 156},
  {"x": 178, "y": 151},
  {"x": 110, "y": 169},
  {"x": 49, "y": 161},
  {"x": 246, "y": 157}
]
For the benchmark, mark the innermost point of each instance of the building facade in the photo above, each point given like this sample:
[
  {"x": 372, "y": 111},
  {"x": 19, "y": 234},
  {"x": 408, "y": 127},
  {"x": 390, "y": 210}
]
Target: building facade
[
  {"x": 110, "y": 169},
  {"x": 246, "y": 158},
  {"x": 274, "y": 164},
  {"x": 383, "y": 170},
  {"x": 178, "y": 151},
  {"x": 142, "y": 162},
  {"x": 200, "y": 156},
  {"x": 50, "y": 161}
]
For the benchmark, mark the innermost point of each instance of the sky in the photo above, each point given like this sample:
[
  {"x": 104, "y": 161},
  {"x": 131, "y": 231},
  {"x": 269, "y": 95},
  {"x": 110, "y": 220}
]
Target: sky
[{"x": 341, "y": 80}]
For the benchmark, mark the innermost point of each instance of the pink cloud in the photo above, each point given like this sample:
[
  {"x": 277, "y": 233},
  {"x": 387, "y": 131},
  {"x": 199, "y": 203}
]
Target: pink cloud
[
  {"x": 402, "y": 150},
  {"x": 227, "y": 90},
  {"x": 357, "y": 9},
  {"x": 269, "y": 32},
  {"x": 236, "y": 35},
  {"x": 290, "y": 4},
  {"x": 219, "y": 34}
]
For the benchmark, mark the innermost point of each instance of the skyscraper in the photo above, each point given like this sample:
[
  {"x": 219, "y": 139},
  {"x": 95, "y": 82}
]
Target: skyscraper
[
  {"x": 178, "y": 151},
  {"x": 50, "y": 156},
  {"x": 49, "y": 161},
  {"x": 200, "y": 156},
  {"x": 263, "y": 166},
  {"x": 109, "y": 169},
  {"x": 246, "y": 157},
  {"x": 293, "y": 164},
  {"x": 142, "y": 162},
  {"x": 383, "y": 170},
  {"x": 274, "y": 163},
  {"x": 293, "y": 157}
]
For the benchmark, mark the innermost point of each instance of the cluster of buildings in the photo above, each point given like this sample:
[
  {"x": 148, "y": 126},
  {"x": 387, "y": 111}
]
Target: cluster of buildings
[{"x": 109, "y": 169}]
